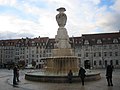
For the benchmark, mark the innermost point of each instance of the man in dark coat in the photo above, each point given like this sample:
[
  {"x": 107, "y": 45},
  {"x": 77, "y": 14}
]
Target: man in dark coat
[
  {"x": 70, "y": 74},
  {"x": 15, "y": 75},
  {"x": 109, "y": 72},
  {"x": 82, "y": 74}
]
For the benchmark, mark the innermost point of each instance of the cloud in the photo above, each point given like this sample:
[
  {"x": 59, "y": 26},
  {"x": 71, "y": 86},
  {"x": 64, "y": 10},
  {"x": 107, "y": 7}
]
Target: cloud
[
  {"x": 11, "y": 3},
  {"x": 108, "y": 20},
  {"x": 116, "y": 6},
  {"x": 13, "y": 35},
  {"x": 38, "y": 17},
  {"x": 12, "y": 24}
]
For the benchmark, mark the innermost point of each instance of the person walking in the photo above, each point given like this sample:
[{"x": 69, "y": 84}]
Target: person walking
[
  {"x": 70, "y": 74},
  {"x": 109, "y": 72},
  {"x": 82, "y": 75},
  {"x": 15, "y": 75}
]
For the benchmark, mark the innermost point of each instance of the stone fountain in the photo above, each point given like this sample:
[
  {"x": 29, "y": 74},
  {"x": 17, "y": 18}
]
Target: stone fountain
[{"x": 63, "y": 58}]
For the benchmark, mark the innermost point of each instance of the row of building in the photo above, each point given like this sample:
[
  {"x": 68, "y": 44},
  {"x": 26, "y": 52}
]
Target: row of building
[{"x": 93, "y": 50}]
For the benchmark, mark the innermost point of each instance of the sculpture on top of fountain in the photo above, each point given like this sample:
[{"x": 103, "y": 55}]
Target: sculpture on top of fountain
[
  {"x": 61, "y": 18},
  {"x": 62, "y": 38}
]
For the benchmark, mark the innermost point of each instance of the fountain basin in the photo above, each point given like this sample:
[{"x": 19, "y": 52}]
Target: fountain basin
[
  {"x": 44, "y": 77},
  {"x": 60, "y": 65}
]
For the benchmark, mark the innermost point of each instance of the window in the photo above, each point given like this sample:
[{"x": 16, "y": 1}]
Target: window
[
  {"x": 110, "y": 46},
  {"x": 86, "y": 48},
  {"x": 105, "y": 63},
  {"x": 94, "y": 62},
  {"x": 36, "y": 60},
  {"x": 110, "y": 53},
  {"x": 116, "y": 53},
  {"x": 117, "y": 62},
  {"x": 100, "y": 63},
  {"x": 36, "y": 51},
  {"x": 40, "y": 55},
  {"x": 99, "y": 53},
  {"x": 111, "y": 62},
  {"x": 116, "y": 46},
  {"x": 79, "y": 55},
  {"x": 37, "y": 56},
  {"x": 94, "y": 54},
  {"x": 86, "y": 54},
  {"x": 26, "y": 61},
  {"x": 43, "y": 44},
  {"x": 32, "y": 55},
  {"x": 37, "y": 44},
  {"x": 105, "y": 53},
  {"x": 104, "y": 47}
]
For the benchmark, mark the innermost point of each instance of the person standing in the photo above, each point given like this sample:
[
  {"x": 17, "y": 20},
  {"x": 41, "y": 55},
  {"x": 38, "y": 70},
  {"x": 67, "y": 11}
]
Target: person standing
[
  {"x": 70, "y": 74},
  {"x": 82, "y": 74},
  {"x": 109, "y": 72},
  {"x": 15, "y": 75}
]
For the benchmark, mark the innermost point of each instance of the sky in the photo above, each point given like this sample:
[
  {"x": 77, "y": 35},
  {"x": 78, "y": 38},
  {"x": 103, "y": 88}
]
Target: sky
[{"x": 34, "y": 18}]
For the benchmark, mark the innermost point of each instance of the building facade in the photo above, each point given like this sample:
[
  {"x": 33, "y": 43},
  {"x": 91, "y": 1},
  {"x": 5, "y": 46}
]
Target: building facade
[
  {"x": 93, "y": 50},
  {"x": 99, "y": 50}
]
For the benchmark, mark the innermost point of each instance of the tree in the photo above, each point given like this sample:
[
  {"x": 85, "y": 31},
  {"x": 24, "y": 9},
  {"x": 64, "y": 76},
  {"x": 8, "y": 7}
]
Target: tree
[{"x": 21, "y": 63}]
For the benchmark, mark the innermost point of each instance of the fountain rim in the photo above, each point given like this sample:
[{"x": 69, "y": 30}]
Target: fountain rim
[{"x": 61, "y": 79}]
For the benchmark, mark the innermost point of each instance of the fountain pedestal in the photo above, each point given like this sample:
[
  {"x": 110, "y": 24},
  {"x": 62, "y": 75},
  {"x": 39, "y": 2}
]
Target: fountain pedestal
[{"x": 62, "y": 52}]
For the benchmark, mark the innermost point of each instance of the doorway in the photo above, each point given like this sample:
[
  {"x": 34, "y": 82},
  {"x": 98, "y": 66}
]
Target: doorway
[{"x": 87, "y": 64}]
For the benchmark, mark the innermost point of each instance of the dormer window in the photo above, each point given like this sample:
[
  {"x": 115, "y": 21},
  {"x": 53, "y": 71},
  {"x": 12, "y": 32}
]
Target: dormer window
[
  {"x": 99, "y": 41},
  {"x": 103, "y": 38},
  {"x": 115, "y": 41},
  {"x": 86, "y": 42},
  {"x": 33, "y": 43},
  {"x": 43, "y": 44}
]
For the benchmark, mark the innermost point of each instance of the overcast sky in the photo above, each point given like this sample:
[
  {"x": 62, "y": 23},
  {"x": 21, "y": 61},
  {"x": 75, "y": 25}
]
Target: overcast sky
[{"x": 33, "y": 18}]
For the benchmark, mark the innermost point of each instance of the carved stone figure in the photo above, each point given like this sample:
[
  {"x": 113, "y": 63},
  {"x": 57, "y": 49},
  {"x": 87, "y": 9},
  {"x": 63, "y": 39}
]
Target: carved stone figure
[
  {"x": 62, "y": 38},
  {"x": 61, "y": 18}
]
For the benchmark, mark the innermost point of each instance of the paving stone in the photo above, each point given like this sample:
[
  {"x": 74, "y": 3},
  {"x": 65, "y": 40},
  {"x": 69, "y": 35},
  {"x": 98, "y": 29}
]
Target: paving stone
[{"x": 6, "y": 83}]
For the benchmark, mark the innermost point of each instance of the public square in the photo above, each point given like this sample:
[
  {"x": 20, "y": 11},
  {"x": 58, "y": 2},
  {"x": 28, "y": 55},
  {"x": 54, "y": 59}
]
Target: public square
[{"x": 6, "y": 77}]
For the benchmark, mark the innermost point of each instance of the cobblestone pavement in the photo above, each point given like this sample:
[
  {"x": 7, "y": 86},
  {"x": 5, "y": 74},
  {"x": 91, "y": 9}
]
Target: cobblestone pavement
[{"x": 6, "y": 83}]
